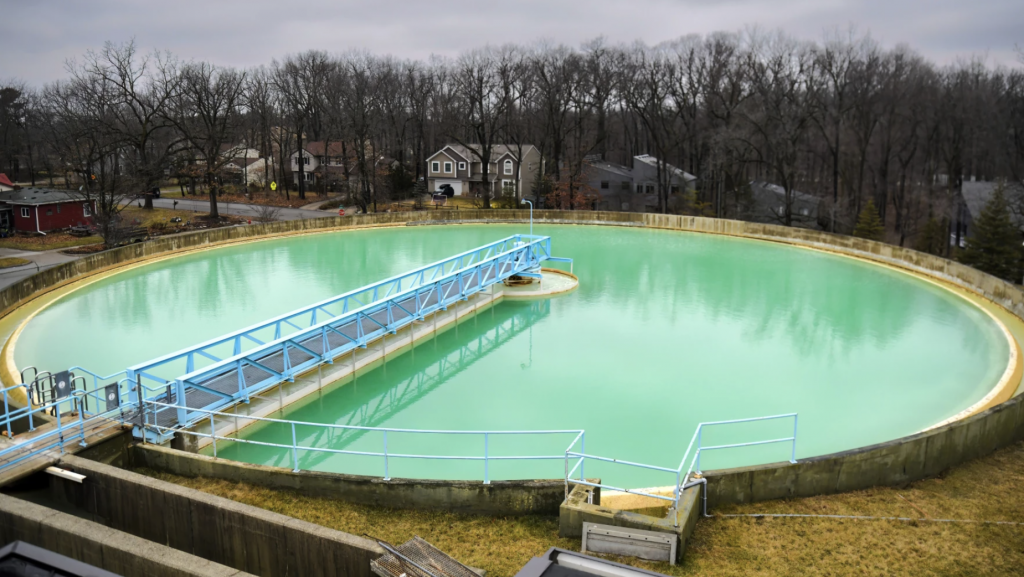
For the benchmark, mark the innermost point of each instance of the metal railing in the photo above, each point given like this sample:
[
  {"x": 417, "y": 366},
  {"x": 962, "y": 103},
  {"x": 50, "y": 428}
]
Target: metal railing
[
  {"x": 257, "y": 335},
  {"x": 242, "y": 375},
  {"x": 72, "y": 420},
  {"x": 294, "y": 448},
  {"x": 681, "y": 478}
]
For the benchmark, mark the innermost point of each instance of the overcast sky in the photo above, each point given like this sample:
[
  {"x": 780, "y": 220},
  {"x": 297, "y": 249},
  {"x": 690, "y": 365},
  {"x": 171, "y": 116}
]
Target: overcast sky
[{"x": 37, "y": 36}]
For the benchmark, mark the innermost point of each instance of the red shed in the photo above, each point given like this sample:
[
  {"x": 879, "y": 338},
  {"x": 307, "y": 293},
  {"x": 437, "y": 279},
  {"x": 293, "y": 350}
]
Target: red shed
[{"x": 43, "y": 209}]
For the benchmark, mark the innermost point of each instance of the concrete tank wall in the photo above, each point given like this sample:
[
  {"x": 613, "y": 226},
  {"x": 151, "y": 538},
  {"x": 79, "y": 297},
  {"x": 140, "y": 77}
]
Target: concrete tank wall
[
  {"x": 499, "y": 498},
  {"x": 98, "y": 545},
  {"x": 223, "y": 531},
  {"x": 895, "y": 462}
]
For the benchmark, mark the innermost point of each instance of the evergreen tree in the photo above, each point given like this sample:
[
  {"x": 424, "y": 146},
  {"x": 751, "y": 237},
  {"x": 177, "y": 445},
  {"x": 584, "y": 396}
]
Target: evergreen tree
[
  {"x": 869, "y": 224},
  {"x": 995, "y": 247},
  {"x": 933, "y": 237}
]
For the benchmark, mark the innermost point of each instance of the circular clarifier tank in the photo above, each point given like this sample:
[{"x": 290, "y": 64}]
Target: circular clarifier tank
[{"x": 666, "y": 330}]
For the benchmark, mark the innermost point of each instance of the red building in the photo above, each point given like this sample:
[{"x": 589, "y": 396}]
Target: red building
[{"x": 43, "y": 210}]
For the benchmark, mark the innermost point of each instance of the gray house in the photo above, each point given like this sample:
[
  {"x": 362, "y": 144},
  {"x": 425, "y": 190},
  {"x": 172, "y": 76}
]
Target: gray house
[
  {"x": 633, "y": 189},
  {"x": 768, "y": 205},
  {"x": 974, "y": 196}
]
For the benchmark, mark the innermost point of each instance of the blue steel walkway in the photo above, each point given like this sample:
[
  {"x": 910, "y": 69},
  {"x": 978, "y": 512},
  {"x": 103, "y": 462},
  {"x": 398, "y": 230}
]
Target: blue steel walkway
[
  {"x": 218, "y": 373},
  {"x": 229, "y": 369}
]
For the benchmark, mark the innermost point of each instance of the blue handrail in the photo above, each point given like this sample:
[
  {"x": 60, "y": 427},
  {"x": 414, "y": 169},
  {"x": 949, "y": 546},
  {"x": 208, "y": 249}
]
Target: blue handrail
[
  {"x": 681, "y": 477},
  {"x": 294, "y": 447}
]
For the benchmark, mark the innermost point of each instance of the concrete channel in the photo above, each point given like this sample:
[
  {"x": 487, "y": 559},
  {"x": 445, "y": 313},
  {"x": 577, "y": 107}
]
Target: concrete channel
[{"x": 137, "y": 525}]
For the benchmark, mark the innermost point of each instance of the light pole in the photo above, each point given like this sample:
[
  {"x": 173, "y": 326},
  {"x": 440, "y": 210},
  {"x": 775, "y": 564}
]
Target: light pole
[{"x": 524, "y": 201}]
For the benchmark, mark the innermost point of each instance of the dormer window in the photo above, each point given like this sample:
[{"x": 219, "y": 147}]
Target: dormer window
[
  {"x": 435, "y": 166},
  {"x": 447, "y": 168},
  {"x": 462, "y": 166},
  {"x": 508, "y": 167}
]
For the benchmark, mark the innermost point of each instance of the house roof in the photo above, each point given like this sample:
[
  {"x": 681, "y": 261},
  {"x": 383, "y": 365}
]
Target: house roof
[
  {"x": 611, "y": 167},
  {"x": 239, "y": 161},
  {"x": 767, "y": 191},
  {"x": 5, "y": 181},
  {"x": 652, "y": 161},
  {"x": 497, "y": 151},
  {"x": 977, "y": 194},
  {"x": 316, "y": 148},
  {"x": 37, "y": 196}
]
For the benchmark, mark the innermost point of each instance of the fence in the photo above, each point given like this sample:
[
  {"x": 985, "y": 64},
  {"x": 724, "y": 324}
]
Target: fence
[
  {"x": 73, "y": 419},
  {"x": 294, "y": 448},
  {"x": 681, "y": 479}
]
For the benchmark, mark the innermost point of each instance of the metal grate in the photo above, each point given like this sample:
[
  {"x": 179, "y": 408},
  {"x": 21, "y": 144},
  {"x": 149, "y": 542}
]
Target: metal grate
[{"x": 417, "y": 558}]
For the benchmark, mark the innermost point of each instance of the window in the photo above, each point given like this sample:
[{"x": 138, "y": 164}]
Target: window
[
  {"x": 604, "y": 184},
  {"x": 447, "y": 168},
  {"x": 508, "y": 167},
  {"x": 309, "y": 176},
  {"x": 675, "y": 189},
  {"x": 650, "y": 189},
  {"x": 508, "y": 187},
  {"x": 49, "y": 212},
  {"x": 305, "y": 160},
  {"x": 58, "y": 209},
  {"x": 462, "y": 166},
  {"x": 435, "y": 166},
  {"x": 24, "y": 211},
  {"x": 86, "y": 210}
]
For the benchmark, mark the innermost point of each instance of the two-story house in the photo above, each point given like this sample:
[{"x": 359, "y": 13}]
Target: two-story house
[
  {"x": 460, "y": 167},
  {"x": 634, "y": 189},
  {"x": 318, "y": 160}
]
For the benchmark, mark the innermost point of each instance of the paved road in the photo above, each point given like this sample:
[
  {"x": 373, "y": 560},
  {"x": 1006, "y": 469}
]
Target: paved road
[
  {"x": 41, "y": 260},
  {"x": 246, "y": 210}
]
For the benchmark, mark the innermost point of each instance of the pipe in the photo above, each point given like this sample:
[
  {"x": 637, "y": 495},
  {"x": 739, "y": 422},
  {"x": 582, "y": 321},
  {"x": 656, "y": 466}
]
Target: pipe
[{"x": 37, "y": 222}]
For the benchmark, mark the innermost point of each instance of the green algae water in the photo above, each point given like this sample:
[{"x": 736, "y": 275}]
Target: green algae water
[{"x": 667, "y": 330}]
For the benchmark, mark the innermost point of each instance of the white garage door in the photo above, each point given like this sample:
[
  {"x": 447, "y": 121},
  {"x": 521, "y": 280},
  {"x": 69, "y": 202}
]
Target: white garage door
[{"x": 456, "y": 185}]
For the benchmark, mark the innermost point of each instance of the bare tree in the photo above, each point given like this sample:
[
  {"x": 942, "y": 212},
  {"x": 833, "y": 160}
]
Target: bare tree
[{"x": 208, "y": 116}]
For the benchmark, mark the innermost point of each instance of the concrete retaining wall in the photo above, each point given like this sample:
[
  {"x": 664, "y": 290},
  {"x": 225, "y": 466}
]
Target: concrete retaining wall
[
  {"x": 895, "y": 462},
  {"x": 99, "y": 545},
  {"x": 499, "y": 498},
  {"x": 220, "y": 530},
  {"x": 892, "y": 463}
]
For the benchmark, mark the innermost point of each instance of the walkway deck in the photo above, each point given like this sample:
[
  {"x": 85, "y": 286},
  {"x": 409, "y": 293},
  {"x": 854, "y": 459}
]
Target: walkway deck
[{"x": 249, "y": 361}]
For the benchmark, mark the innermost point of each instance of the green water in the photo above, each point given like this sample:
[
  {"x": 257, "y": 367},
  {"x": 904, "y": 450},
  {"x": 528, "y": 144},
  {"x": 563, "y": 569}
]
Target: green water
[{"x": 666, "y": 330}]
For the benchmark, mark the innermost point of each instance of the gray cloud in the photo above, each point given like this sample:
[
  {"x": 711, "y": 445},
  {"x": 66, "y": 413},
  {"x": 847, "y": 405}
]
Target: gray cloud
[{"x": 37, "y": 37}]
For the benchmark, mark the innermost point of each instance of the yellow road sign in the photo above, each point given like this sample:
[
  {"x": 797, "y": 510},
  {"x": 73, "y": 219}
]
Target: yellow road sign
[{"x": 273, "y": 186}]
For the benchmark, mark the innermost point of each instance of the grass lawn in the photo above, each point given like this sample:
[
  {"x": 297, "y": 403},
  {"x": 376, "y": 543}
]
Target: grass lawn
[
  {"x": 157, "y": 216},
  {"x": 13, "y": 261},
  {"x": 48, "y": 242},
  {"x": 988, "y": 489}
]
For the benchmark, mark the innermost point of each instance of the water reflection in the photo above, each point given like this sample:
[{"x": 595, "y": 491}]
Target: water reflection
[{"x": 375, "y": 398}]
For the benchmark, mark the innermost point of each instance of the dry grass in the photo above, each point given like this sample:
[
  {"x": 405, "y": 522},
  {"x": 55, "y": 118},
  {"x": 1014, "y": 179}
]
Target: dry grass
[
  {"x": 499, "y": 545},
  {"x": 988, "y": 489},
  {"x": 159, "y": 217},
  {"x": 48, "y": 242},
  {"x": 13, "y": 261}
]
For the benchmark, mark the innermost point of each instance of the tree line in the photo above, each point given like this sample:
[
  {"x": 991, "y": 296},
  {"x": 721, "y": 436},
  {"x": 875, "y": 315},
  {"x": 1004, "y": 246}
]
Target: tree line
[{"x": 842, "y": 119}]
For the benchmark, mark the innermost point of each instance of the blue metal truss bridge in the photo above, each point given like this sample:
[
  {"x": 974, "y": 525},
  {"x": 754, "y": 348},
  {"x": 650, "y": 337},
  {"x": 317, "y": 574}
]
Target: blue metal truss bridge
[{"x": 218, "y": 373}]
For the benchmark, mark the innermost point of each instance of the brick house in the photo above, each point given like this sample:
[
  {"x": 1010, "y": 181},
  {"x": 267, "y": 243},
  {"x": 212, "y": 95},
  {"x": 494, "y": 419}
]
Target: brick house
[{"x": 44, "y": 210}]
